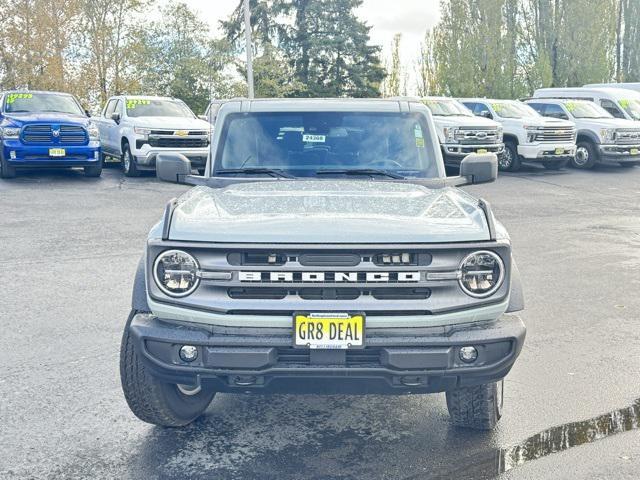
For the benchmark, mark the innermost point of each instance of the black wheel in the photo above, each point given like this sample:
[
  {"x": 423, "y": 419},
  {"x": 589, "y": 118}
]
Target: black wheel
[
  {"x": 478, "y": 407},
  {"x": 94, "y": 170},
  {"x": 6, "y": 170},
  {"x": 555, "y": 164},
  {"x": 129, "y": 165},
  {"x": 155, "y": 402},
  {"x": 509, "y": 161},
  {"x": 586, "y": 155},
  {"x": 629, "y": 164}
]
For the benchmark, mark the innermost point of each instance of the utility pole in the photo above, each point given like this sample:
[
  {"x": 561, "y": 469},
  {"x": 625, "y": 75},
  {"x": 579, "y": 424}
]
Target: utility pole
[{"x": 248, "y": 46}]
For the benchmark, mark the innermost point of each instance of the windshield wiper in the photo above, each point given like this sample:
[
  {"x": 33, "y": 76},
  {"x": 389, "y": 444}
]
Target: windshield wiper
[
  {"x": 274, "y": 172},
  {"x": 358, "y": 171}
]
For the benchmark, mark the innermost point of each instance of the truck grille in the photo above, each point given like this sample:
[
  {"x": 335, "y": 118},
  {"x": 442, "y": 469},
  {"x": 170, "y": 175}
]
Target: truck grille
[
  {"x": 477, "y": 136},
  {"x": 556, "y": 134},
  {"x": 628, "y": 137},
  {"x": 376, "y": 280},
  {"x": 178, "y": 142},
  {"x": 44, "y": 134}
]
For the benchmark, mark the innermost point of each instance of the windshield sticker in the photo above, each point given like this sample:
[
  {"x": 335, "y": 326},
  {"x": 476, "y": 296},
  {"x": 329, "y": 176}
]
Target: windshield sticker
[
  {"x": 417, "y": 131},
  {"x": 571, "y": 106},
  {"x": 498, "y": 107},
  {"x": 307, "y": 137},
  {"x": 134, "y": 102},
  {"x": 12, "y": 97},
  {"x": 624, "y": 104},
  {"x": 420, "y": 142}
]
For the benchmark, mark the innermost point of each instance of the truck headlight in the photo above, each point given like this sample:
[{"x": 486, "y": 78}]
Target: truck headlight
[
  {"x": 142, "y": 131},
  {"x": 500, "y": 134},
  {"x": 481, "y": 273},
  {"x": 449, "y": 134},
  {"x": 608, "y": 134},
  {"x": 94, "y": 133},
  {"x": 10, "y": 132},
  {"x": 175, "y": 273},
  {"x": 532, "y": 133}
]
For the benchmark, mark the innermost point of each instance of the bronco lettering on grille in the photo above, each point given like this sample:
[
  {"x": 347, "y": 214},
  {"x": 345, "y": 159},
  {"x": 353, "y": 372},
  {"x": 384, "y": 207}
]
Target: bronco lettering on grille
[{"x": 329, "y": 277}]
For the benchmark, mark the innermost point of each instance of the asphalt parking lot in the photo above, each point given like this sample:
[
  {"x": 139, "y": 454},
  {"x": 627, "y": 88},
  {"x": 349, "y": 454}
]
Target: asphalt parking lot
[{"x": 69, "y": 249}]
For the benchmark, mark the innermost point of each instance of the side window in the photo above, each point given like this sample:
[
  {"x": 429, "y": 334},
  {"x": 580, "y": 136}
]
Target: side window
[
  {"x": 471, "y": 106},
  {"x": 482, "y": 110},
  {"x": 555, "y": 111},
  {"x": 118, "y": 107},
  {"x": 111, "y": 104},
  {"x": 612, "y": 108}
]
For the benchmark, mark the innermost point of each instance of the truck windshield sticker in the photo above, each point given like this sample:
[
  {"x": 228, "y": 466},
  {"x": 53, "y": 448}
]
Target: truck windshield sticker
[
  {"x": 624, "y": 104},
  {"x": 571, "y": 106},
  {"x": 498, "y": 107},
  {"x": 134, "y": 102},
  {"x": 417, "y": 132},
  {"x": 12, "y": 97},
  {"x": 307, "y": 137}
]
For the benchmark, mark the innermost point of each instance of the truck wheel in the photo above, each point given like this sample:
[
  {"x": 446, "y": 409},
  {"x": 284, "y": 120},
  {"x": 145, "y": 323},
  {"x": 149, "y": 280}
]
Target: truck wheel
[
  {"x": 152, "y": 401},
  {"x": 509, "y": 161},
  {"x": 6, "y": 170},
  {"x": 585, "y": 157},
  {"x": 94, "y": 170},
  {"x": 129, "y": 165},
  {"x": 478, "y": 407},
  {"x": 555, "y": 164}
]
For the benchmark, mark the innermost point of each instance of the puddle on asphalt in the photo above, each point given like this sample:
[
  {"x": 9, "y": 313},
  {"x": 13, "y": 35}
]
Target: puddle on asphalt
[{"x": 552, "y": 440}]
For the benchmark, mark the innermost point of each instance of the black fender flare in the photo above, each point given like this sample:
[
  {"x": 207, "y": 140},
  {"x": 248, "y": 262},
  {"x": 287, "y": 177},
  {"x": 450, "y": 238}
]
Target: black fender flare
[
  {"x": 139, "y": 294},
  {"x": 516, "y": 294},
  {"x": 591, "y": 136}
]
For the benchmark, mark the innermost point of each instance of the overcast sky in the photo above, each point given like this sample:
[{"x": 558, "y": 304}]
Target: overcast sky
[{"x": 386, "y": 17}]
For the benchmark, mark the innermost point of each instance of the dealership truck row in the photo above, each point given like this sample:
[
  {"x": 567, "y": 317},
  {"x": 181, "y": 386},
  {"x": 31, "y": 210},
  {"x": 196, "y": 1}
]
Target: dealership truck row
[{"x": 582, "y": 125}]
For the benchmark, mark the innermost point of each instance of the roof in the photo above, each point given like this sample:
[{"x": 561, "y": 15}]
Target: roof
[
  {"x": 326, "y": 104},
  {"x": 21, "y": 90},
  {"x": 611, "y": 91}
]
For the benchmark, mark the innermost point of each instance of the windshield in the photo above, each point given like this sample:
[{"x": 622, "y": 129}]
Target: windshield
[
  {"x": 632, "y": 107},
  {"x": 306, "y": 144},
  {"x": 513, "y": 110},
  {"x": 447, "y": 108},
  {"x": 137, "y": 107},
  {"x": 41, "y": 102},
  {"x": 586, "y": 110}
]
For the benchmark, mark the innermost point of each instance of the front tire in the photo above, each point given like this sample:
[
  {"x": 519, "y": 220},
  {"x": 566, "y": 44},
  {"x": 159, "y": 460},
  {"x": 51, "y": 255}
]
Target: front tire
[
  {"x": 129, "y": 165},
  {"x": 509, "y": 161},
  {"x": 478, "y": 407},
  {"x": 586, "y": 156},
  {"x": 6, "y": 170},
  {"x": 155, "y": 402}
]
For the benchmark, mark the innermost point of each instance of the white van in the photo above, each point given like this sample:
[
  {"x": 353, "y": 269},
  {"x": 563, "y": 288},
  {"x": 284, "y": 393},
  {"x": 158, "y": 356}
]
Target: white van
[
  {"x": 619, "y": 102},
  {"x": 635, "y": 86}
]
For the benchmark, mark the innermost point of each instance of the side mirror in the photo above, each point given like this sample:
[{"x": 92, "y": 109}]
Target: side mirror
[
  {"x": 485, "y": 114},
  {"x": 203, "y": 117},
  {"x": 115, "y": 116},
  {"x": 479, "y": 168},
  {"x": 172, "y": 167},
  {"x": 87, "y": 112}
]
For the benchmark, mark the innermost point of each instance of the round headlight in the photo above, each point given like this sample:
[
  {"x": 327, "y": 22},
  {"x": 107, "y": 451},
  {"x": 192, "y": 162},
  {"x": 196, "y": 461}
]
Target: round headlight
[
  {"x": 175, "y": 273},
  {"x": 481, "y": 273}
]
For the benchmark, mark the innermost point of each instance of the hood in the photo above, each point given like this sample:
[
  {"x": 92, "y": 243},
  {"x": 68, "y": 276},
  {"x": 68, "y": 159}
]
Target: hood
[
  {"x": 610, "y": 123},
  {"x": 173, "y": 123},
  {"x": 341, "y": 211},
  {"x": 20, "y": 119},
  {"x": 463, "y": 121}
]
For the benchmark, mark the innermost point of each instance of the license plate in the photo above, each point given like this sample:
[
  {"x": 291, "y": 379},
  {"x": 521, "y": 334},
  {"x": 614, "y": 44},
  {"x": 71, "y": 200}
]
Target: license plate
[
  {"x": 328, "y": 330},
  {"x": 481, "y": 150},
  {"x": 57, "y": 152},
  {"x": 559, "y": 151},
  {"x": 634, "y": 151}
]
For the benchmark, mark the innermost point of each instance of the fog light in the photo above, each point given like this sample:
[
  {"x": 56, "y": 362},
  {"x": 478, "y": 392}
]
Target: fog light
[
  {"x": 12, "y": 154},
  {"x": 188, "y": 353},
  {"x": 468, "y": 354}
]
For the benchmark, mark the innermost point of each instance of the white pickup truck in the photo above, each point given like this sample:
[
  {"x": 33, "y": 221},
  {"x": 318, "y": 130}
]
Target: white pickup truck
[
  {"x": 460, "y": 132},
  {"x": 601, "y": 137},
  {"x": 528, "y": 137},
  {"x": 135, "y": 129}
]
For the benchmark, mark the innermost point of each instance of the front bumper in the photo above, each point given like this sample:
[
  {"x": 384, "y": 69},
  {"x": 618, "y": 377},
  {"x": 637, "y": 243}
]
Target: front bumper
[
  {"x": 620, "y": 153},
  {"x": 546, "y": 151},
  {"x": 20, "y": 155},
  {"x": 456, "y": 151},
  {"x": 395, "y": 360},
  {"x": 146, "y": 156}
]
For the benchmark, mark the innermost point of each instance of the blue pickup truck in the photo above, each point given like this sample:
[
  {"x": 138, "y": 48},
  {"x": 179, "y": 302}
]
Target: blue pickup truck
[{"x": 46, "y": 129}]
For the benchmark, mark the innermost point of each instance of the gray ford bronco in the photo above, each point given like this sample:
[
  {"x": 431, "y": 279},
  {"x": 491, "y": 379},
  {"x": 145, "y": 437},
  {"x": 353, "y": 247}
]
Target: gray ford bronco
[{"x": 324, "y": 251}]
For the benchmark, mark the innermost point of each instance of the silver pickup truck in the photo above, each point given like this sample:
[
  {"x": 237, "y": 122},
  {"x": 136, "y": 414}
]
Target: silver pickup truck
[{"x": 324, "y": 250}]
